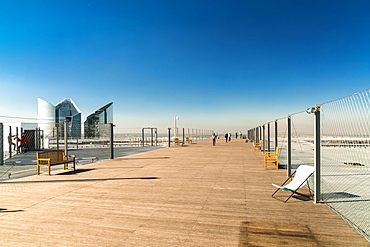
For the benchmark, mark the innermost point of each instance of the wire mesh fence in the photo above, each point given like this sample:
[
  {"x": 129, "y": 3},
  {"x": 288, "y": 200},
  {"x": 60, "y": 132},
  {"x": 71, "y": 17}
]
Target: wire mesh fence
[
  {"x": 340, "y": 151},
  {"x": 282, "y": 143},
  {"x": 21, "y": 138},
  {"x": 302, "y": 147},
  {"x": 345, "y": 150}
]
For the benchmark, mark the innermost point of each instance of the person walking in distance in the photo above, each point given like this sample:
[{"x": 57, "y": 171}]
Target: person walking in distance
[
  {"x": 227, "y": 136},
  {"x": 214, "y": 137}
]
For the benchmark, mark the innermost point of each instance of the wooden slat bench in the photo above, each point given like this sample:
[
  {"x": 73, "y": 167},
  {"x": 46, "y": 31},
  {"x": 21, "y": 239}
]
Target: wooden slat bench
[
  {"x": 271, "y": 158},
  {"x": 257, "y": 145},
  {"x": 177, "y": 142},
  {"x": 54, "y": 157}
]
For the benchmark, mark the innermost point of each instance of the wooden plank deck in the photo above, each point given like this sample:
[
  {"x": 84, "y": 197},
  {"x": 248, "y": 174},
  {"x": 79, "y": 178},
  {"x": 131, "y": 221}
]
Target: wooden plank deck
[{"x": 196, "y": 195}]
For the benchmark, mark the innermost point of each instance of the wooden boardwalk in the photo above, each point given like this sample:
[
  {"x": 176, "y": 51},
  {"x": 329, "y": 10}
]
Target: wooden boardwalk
[{"x": 196, "y": 195}]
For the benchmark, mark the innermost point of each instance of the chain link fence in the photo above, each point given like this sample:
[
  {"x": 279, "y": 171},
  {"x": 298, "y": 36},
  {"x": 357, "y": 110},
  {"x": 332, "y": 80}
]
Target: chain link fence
[
  {"x": 345, "y": 152},
  {"x": 21, "y": 138},
  {"x": 342, "y": 149}
]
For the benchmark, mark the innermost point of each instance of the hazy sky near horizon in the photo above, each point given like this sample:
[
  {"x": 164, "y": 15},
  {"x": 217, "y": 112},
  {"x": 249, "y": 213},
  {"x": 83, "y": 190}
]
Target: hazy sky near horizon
[{"x": 222, "y": 65}]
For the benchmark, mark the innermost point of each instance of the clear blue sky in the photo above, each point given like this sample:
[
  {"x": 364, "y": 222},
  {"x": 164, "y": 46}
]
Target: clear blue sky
[{"x": 224, "y": 65}]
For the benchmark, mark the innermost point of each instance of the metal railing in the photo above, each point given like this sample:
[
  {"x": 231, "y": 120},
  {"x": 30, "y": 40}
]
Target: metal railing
[
  {"x": 21, "y": 138},
  {"x": 335, "y": 139}
]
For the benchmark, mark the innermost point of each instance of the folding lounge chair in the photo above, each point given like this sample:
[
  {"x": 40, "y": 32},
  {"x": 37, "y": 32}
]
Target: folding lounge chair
[{"x": 302, "y": 174}]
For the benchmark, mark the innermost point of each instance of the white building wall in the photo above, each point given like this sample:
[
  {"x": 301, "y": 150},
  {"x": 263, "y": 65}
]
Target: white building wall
[{"x": 45, "y": 116}]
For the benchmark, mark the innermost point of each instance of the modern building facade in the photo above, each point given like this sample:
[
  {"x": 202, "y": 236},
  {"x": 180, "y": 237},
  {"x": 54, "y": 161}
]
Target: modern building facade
[
  {"x": 96, "y": 123},
  {"x": 46, "y": 116},
  {"x": 51, "y": 118}
]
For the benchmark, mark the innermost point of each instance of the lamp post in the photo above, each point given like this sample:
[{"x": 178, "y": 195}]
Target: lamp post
[{"x": 169, "y": 137}]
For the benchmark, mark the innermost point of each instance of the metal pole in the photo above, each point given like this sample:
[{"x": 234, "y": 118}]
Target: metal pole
[
  {"x": 111, "y": 140},
  {"x": 65, "y": 138},
  {"x": 169, "y": 137},
  {"x": 10, "y": 141},
  {"x": 142, "y": 136},
  {"x": 183, "y": 136},
  {"x": 43, "y": 139},
  {"x": 1, "y": 144},
  {"x": 156, "y": 137},
  {"x": 263, "y": 139},
  {"x": 289, "y": 147},
  {"x": 317, "y": 156},
  {"x": 276, "y": 134},
  {"x": 151, "y": 133},
  {"x": 260, "y": 134},
  {"x": 256, "y": 137},
  {"x": 16, "y": 143},
  {"x": 57, "y": 136},
  {"x": 268, "y": 137}
]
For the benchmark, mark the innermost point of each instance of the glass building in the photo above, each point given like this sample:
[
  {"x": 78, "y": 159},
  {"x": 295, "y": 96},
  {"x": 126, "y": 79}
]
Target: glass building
[
  {"x": 68, "y": 110},
  {"x": 96, "y": 123},
  {"x": 50, "y": 116}
]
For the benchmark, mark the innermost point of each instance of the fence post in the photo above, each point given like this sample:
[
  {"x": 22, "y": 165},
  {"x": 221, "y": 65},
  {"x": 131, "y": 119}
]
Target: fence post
[
  {"x": 152, "y": 136},
  {"x": 1, "y": 144},
  {"x": 289, "y": 147},
  {"x": 142, "y": 137},
  {"x": 256, "y": 134},
  {"x": 111, "y": 140},
  {"x": 10, "y": 142},
  {"x": 16, "y": 143},
  {"x": 183, "y": 136},
  {"x": 65, "y": 138},
  {"x": 276, "y": 134},
  {"x": 57, "y": 125},
  {"x": 156, "y": 136},
  {"x": 317, "y": 174},
  {"x": 263, "y": 138},
  {"x": 268, "y": 137},
  {"x": 169, "y": 137}
]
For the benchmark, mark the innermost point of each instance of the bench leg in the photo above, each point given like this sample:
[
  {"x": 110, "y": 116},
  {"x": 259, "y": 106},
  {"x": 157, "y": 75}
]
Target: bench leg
[{"x": 49, "y": 169}]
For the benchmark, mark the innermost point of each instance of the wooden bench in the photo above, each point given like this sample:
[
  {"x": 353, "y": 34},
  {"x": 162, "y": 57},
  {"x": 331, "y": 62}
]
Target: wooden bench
[
  {"x": 271, "y": 158},
  {"x": 177, "y": 142},
  {"x": 257, "y": 145},
  {"x": 54, "y": 157},
  {"x": 188, "y": 140}
]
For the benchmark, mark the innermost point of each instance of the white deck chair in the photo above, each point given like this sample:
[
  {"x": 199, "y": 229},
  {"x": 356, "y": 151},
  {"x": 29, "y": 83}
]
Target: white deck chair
[{"x": 302, "y": 174}]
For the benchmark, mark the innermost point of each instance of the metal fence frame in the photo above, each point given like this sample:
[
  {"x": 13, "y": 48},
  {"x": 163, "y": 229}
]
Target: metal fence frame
[{"x": 350, "y": 117}]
